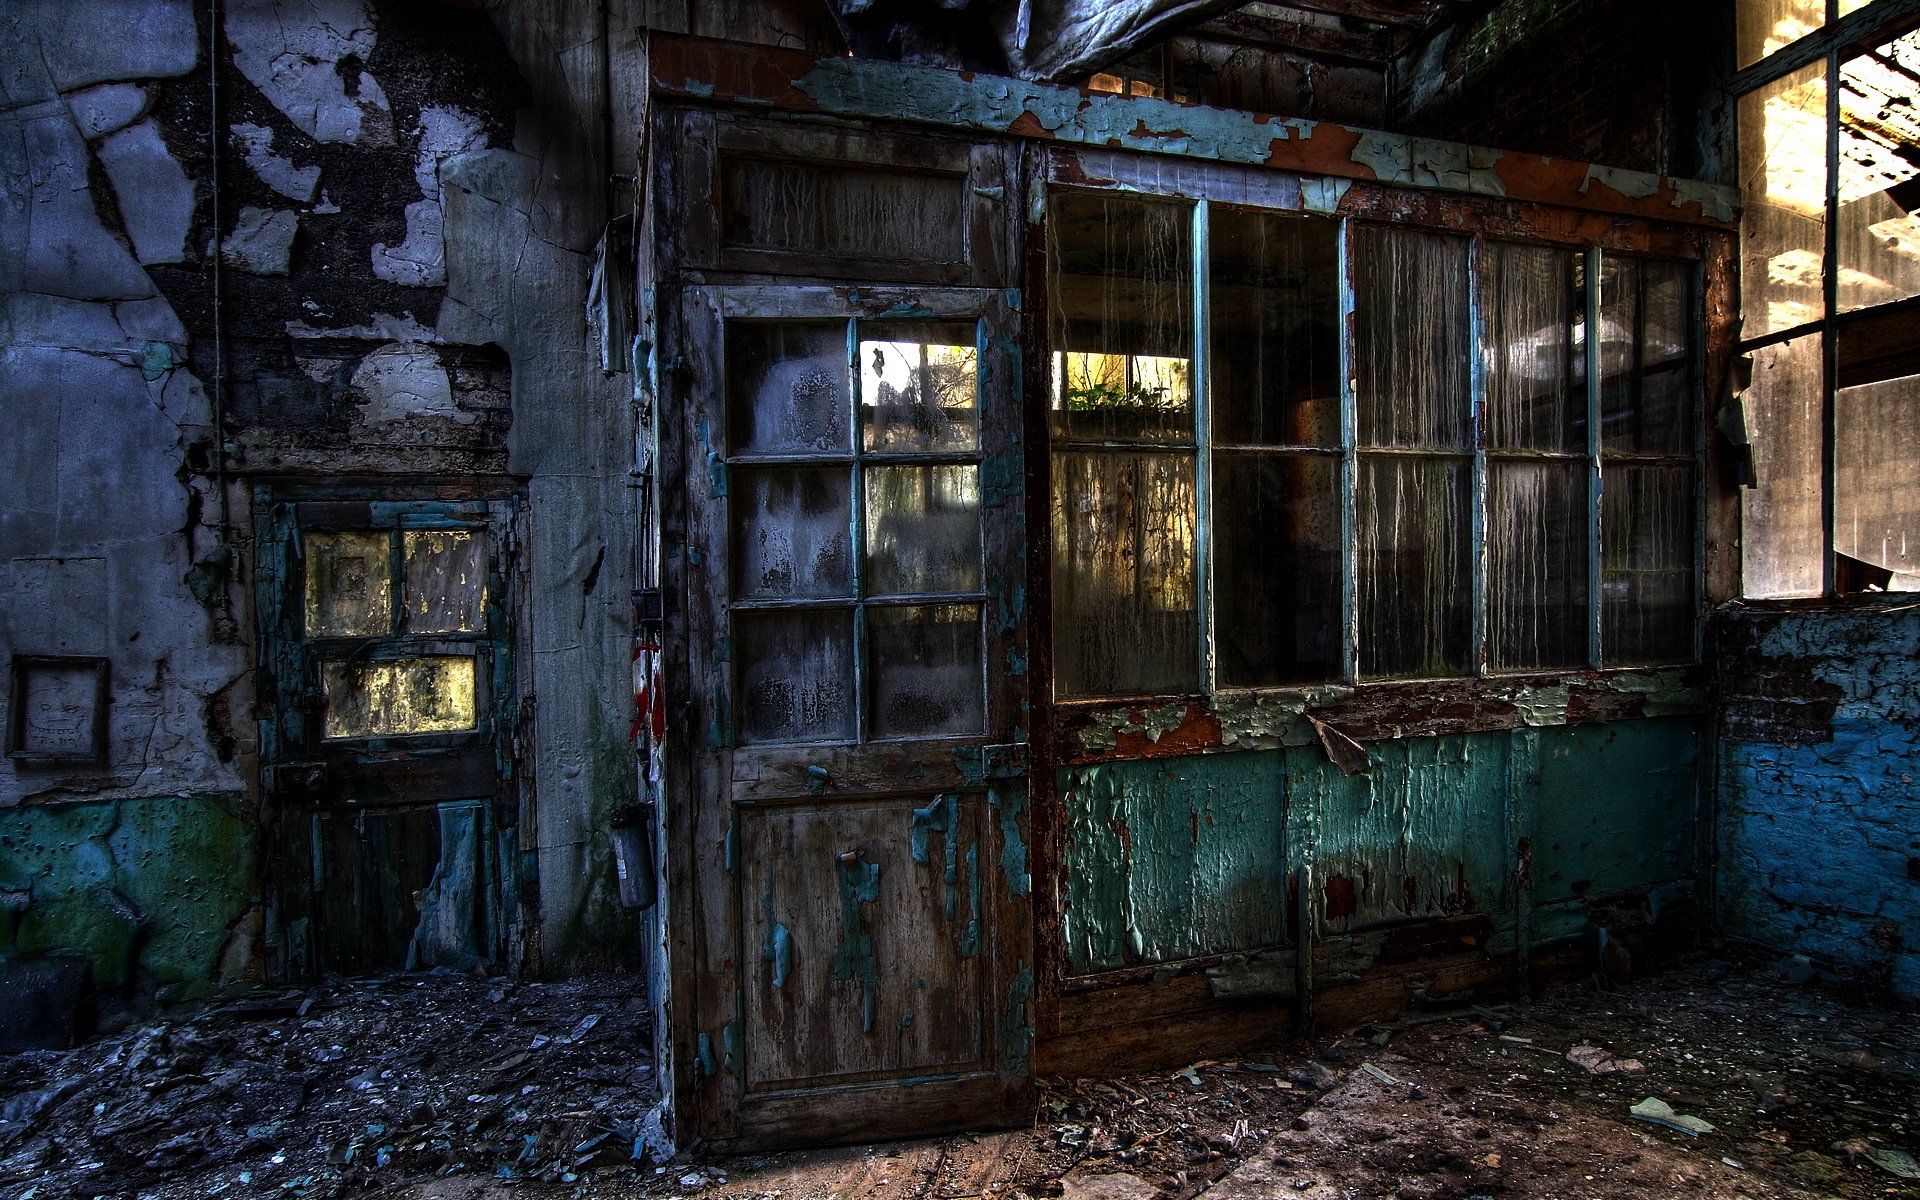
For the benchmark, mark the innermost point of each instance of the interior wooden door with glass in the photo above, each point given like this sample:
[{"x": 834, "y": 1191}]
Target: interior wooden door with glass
[
  {"x": 386, "y": 752},
  {"x": 855, "y": 521}
]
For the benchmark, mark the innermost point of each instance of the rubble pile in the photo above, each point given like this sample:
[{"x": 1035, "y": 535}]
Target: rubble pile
[{"x": 339, "y": 1089}]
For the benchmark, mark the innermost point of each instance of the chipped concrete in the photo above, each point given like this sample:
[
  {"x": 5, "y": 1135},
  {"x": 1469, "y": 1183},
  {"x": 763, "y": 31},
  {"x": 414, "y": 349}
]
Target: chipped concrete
[
  {"x": 420, "y": 261},
  {"x": 101, "y": 40},
  {"x": 255, "y": 143},
  {"x": 63, "y": 248},
  {"x": 293, "y": 51},
  {"x": 101, "y": 110},
  {"x": 156, "y": 197},
  {"x": 405, "y": 380},
  {"x": 262, "y": 240}
]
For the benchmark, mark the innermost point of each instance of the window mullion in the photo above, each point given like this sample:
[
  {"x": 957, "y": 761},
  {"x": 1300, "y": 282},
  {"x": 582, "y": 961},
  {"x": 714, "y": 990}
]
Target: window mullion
[
  {"x": 1349, "y": 471},
  {"x": 1596, "y": 476},
  {"x": 857, "y": 531},
  {"x": 1830, "y": 344},
  {"x": 1199, "y": 380},
  {"x": 1476, "y": 399}
]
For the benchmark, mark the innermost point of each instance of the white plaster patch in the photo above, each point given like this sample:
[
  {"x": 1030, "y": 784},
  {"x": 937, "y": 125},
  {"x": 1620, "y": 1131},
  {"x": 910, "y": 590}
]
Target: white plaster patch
[
  {"x": 255, "y": 143},
  {"x": 405, "y": 380},
  {"x": 420, "y": 261},
  {"x": 111, "y": 39},
  {"x": 291, "y": 51},
  {"x": 444, "y": 132},
  {"x": 101, "y": 110},
  {"x": 156, "y": 197},
  {"x": 262, "y": 241},
  {"x": 383, "y": 327},
  {"x": 67, "y": 251}
]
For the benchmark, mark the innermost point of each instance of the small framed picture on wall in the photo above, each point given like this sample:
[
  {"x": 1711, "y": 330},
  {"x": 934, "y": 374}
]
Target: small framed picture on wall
[{"x": 58, "y": 711}]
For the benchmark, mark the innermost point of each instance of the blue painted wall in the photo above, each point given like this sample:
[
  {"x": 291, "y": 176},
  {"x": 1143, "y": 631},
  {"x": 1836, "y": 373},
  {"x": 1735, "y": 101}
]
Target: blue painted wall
[{"x": 1820, "y": 815}]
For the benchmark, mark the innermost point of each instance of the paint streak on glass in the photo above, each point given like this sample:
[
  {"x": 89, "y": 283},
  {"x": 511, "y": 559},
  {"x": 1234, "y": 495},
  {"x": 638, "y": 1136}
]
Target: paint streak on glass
[
  {"x": 794, "y": 678},
  {"x": 393, "y": 697},
  {"x": 925, "y": 663},
  {"x": 349, "y": 587},
  {"x": 446, "y": 580}
]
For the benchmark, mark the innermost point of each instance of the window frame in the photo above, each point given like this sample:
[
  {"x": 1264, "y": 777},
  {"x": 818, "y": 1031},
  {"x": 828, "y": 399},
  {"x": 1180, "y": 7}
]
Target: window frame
[
  {"x": 1837, "y": 41},
  {"x": 1482, "y": 220}
]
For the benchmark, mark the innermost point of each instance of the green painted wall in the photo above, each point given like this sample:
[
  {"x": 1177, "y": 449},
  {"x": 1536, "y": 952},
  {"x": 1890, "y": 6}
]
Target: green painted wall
[{"x": 150, "y": 891}]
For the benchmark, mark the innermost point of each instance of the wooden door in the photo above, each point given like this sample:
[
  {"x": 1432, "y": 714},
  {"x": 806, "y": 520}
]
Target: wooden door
[
  {"x": 390, "y": 684},
  {"x": 856, "y": 632}
]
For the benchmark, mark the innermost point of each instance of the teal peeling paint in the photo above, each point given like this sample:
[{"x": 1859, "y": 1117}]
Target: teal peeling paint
[
  {"x": 156, "y": 359},
  {"x": 716, "y": 474},
  {"x": 970, "y": 939},
  {"x": 942, "y": 816},
  {"x": 730, "y": 1039},
  {"x": 890, "y": 90},
  {"x": 1016, "y": 1031},
  {"x": 853, "y": 958},
  {"x": 1012, "y": 805},
  {"x": 704, "y": 1058},
  {"x": 778, "y": 949}
]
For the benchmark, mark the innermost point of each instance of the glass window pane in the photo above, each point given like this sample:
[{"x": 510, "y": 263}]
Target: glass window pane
[
  {"x": 1783, "y": 185},
  {"x": 919, "y": 386},
  {"x": 1537, "y": 563},
  {"x": 1877, "y": 489},
  {"x": 792, "y": 532},
  {"x": 1275, "y": 327},
  {"x": 1415, "y": 585},
  {"x": 349, "y": 584},
  {"x": 1534, "y": 299},
  {"x": 1121, "y": 296},
  {"x": 923, "y": 529},
  {"x": 446, "y": 580},
  {"x": 926, "y": 671},
  {"x": 1877, "y": 235},
  {"x": 391, "y": 697},
  {"x": 1765, "y": 26},
  {"x": 787, "y": 387},
  {"x": 1123, "y": 583},
  {"x": 1781, "y": 538},
  {"x": 1648, "y": 538},
  {"x": 1647, "y": 392},
  {"x": 795, "y": 675},
  {"x": 1277, "y": 568},
  {"x": 1412, "y": 338}
]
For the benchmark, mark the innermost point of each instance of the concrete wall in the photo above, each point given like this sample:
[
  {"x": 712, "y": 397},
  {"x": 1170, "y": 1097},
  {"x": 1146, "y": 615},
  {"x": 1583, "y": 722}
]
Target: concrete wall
[{"x": 1819, "y": 812}]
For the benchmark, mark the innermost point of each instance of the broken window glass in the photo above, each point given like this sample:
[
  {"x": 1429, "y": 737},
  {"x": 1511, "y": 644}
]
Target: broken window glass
[
  {"x": 1274, "y": 318},
  {"x": 787, "y": 387},
  {"x": 1537, "y": 563},
  {"x": 923, "y": 529},
  {"x": 795, "y": 675},
  {"x": 924, "y": 665},
  {"x": 1416, "y": 584},
  {"x": 1781, "y": 536},
  {"x": 1764, "y": 26},
  {"x": 919, "y": 387},
  {"x": 431, "y": 693},
  {"x": 792, "y": 532},
  {"x": 1534, "y": 299},
  {"x": 1877, "y": 233},
  {"x": 1123, "y": 594},
  {"x": 446, "y": 580},
  {"x": 349, "y": 584},
  {"x": 1646, "y": 356},
  {"x": 1412, "y": 339},
  {"x": 1876, "y": 500},
  {"x": 1278, "y": 567},
  {"x": 1648, "y": 613},
  {"x": 1783, "y": 184}
]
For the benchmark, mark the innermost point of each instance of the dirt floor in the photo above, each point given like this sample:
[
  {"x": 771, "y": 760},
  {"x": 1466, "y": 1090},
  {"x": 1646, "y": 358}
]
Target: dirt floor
[{"x": 447, "y": 1088}]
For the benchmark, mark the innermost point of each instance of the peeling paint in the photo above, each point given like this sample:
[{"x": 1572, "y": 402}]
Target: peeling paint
[
  {"x": 1012, "y": 805},
  {"x": 1016, "y": 1028},
  {"x": 853, "y": 958}
]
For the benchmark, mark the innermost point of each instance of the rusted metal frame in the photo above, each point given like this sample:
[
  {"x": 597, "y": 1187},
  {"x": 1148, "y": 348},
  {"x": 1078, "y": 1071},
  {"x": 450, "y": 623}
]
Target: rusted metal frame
[
  {"x": 1829, "y": 339},
  {"x": 1596, "y": 468},
  {"x": 712, "y": 72},
  {"x": 1478, "y": 622},
  {"x": 1840, "y": 35}
]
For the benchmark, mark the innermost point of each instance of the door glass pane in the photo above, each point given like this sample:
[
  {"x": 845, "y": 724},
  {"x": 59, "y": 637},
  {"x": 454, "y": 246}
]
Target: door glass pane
[
  {"x": 1765, "y": 26},
  {"x": 1415, "y": 585},
  {"x": 1277, "y": 568},
  {"x": 1537, "y": 563},
  {"x": 926, "y": 669},
  {"x": 1412, "y": 339},
  {"x": 787, "y": 387},
  {"x": 390, "y": 697},
  {"x": 1783, "y": 186},
  {"x": 1123, "y": 585},
  {"x": 1878, "y": 237},
  {"x": 446, "y": 580},
  {"x": 795, "y": 675},
  {"x": 919, "y": 386},
  {"x": 792, "y": 532},
  {"x": 1646, "y": 356},
  {"x": 1275, "y": 328},
  {"x": 1877, "y": 489},
  {"x": 1780, "y": 527},
  {"x": 923, "y": 529},
  {"x": 349, "y": 584},
  {"x": 1121, "y": 291},
  {"x": 1534, "y": 299},
  {"x": 1648, "y": 535}
]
